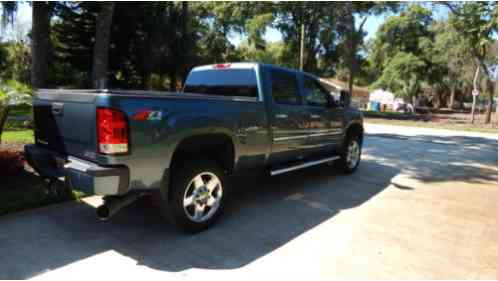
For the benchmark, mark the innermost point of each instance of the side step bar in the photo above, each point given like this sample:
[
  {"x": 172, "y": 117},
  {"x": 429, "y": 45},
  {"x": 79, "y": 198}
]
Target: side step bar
[{"x": 302, "y": 166}]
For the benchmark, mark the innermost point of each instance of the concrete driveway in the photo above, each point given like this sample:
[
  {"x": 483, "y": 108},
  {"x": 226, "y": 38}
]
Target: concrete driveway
[{"x": 423, "y": 204}]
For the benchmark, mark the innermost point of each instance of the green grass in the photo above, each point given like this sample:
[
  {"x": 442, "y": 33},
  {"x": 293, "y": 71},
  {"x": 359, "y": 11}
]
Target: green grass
[
  {"x": 432, "y": 125},
  {"x": 18, "y": 136},
  {"x": 15, "y": 131}
]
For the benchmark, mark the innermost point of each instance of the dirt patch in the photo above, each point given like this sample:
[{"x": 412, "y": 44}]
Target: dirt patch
[{"x": 12, "y": 146}]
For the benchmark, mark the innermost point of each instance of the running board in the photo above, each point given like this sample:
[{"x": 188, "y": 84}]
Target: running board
[{"x": 302, "y": 166}]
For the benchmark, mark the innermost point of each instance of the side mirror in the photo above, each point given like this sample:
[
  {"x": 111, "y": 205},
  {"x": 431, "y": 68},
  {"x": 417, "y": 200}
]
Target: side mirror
[
  {"x": 345, "y": 98},
  {"x": 331, "y": 101}
]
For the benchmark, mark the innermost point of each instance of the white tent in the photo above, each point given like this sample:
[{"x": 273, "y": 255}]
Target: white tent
[{"x": 381, "y": 96}]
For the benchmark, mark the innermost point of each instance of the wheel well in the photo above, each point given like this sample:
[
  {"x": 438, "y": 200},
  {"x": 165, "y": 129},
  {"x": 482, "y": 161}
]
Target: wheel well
[
  {"x": 355, "y": 129},
  {"x": 217, "y": 147}
]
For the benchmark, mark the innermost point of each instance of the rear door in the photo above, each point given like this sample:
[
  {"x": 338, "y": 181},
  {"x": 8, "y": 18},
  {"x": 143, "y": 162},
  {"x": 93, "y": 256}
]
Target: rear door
[
  {"x": 287, "y": 117},
  {"x": 324, "y": 120}
]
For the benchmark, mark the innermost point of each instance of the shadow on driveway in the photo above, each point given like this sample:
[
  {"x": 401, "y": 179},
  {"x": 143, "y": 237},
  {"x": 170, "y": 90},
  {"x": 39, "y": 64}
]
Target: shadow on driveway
[{"x": 262, "y": 215}]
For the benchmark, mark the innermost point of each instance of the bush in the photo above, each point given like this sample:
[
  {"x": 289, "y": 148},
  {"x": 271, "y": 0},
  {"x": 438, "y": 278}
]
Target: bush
[{"x": 11, "y": 163}]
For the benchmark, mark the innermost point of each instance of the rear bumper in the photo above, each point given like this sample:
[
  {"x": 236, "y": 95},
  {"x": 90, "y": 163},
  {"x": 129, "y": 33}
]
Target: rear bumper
[{"x": 78, "y": 173}]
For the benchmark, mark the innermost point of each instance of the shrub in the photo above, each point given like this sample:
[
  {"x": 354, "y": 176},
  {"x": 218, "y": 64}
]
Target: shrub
[{"x": 11, "y": 163}]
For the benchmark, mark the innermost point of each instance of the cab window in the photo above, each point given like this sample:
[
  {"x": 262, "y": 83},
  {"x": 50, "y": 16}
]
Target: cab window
[
  {"x": 314, "y": 93},
  {"x": 284, "y": 87}
]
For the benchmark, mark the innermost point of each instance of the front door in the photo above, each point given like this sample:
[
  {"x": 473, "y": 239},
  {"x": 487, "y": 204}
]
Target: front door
[
  {"x": 288, "y": 118},
  {"x": 324, "y": 121}
]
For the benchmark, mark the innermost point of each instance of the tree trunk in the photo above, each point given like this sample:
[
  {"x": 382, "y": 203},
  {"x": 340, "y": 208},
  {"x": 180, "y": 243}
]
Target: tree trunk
[
  {"x": 491, "y": 89},
  {"x": 101, "y": 47},
  {"x": 186, "y": 50},
  {"x": 3, "y": 119},
  {"x": 40, "y": 43},
  {"x": 172, "y": 81},
  {"x": 452, "y": 97},
  {"x": 351, "y": 44},
  {"x": 496, "y": 111},
  {"x": 301, "y": 49}
]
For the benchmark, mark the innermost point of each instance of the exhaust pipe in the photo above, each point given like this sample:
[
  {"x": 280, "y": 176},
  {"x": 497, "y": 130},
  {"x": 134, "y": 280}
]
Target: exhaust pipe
[{"x": 112, "y": 205}]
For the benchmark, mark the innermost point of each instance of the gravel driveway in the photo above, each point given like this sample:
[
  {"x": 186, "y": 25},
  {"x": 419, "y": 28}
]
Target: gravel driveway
[{"x": 423, "y": 204}]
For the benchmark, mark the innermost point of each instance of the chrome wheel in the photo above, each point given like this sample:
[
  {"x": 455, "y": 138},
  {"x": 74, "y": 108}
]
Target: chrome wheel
[
  {"x": 353, "y": 154},
  {"x": 202, "y": 197}
]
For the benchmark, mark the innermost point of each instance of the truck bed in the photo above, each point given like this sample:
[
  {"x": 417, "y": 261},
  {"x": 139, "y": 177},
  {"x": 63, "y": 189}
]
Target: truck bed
[{"x": 72, "y": 131}]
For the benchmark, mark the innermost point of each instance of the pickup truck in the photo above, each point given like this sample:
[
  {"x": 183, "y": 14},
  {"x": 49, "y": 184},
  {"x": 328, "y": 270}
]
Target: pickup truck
[{"x": 228, "y": 118}]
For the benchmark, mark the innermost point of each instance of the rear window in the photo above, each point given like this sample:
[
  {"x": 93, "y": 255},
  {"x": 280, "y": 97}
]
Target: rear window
[{"x": 223, "y": 82}]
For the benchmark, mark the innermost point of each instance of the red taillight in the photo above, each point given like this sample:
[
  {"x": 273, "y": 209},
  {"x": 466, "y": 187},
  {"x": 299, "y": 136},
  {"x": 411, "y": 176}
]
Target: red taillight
[{"x": 112, "y": 131}]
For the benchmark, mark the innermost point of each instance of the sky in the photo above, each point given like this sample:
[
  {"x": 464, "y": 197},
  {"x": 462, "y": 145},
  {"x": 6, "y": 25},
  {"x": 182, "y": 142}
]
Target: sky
[{"x": 271, "y": 34}]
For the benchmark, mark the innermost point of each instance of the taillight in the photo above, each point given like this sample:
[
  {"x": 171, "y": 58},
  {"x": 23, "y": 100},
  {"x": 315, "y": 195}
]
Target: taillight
[{"x": 112, "y": 131}]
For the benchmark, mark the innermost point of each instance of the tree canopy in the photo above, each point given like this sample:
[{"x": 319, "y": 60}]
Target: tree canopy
[{"x": 153, "y": 45}]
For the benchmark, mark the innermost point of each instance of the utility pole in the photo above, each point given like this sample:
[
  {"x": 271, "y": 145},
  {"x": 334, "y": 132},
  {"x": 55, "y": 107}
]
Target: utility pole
[
  {"x": 474, "y": 95},
  {"x": 301, "y": 55}
]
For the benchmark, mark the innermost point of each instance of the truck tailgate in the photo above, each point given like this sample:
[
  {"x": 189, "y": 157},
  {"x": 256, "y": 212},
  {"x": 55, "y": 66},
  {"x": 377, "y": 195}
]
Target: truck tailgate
[{"x": 65, "y": 122}]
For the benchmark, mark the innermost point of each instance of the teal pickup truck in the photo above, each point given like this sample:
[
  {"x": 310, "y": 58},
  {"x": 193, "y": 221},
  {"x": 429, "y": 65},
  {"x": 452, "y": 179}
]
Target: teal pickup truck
[{"x": 228, "y": 118}]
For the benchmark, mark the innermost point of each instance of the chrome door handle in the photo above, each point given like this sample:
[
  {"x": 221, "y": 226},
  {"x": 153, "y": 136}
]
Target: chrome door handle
[{"x": 281, "y": 116}]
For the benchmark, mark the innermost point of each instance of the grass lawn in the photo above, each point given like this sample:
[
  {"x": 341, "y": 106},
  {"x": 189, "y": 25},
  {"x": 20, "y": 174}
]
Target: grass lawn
[
  {"x": 14, "y": 130},
  {"x": 18, "y": 136}
]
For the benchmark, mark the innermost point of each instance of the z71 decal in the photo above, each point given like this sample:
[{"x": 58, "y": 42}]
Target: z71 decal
[{"x": 148, "y": 115}]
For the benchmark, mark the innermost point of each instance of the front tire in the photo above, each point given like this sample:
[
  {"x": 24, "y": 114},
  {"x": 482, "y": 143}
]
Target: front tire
[
  {"x": 350, "y": 154},
  {"x": 198, "y": 195}
]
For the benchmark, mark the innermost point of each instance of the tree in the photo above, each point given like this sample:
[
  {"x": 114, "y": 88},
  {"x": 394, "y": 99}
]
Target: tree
[
  {"x": 40, "y": 43},
  {"x": 15, "y": 61},
  {"x": 452, "y": 52},
  {"x": 403, "y": 75},
  {"x": 8, "y": 9},
  {"x": 320, "y": 32},
  {"x": 352, "y": 35},
  {"x": 272, "y": 54},
  {"x": 400, "y": 51},
  {"x": 476, "y": 22},
  {"x": 101, "y": 47}
]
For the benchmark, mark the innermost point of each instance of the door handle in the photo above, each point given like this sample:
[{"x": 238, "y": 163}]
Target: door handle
[
  {"x": 282, "y": 116},
  {"x": 315, "y": 116},
  {"x": 57, "y": 108}
]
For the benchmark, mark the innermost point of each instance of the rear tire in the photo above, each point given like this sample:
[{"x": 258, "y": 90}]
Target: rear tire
[
  {"x": 198, "y": 195},
  {"x": 350, "y": 154}
]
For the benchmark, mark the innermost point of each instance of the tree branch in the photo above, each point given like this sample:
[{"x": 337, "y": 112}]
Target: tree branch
[
  {"x": 360, "y": 29},
  {"x": 452, "y": 8}
]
